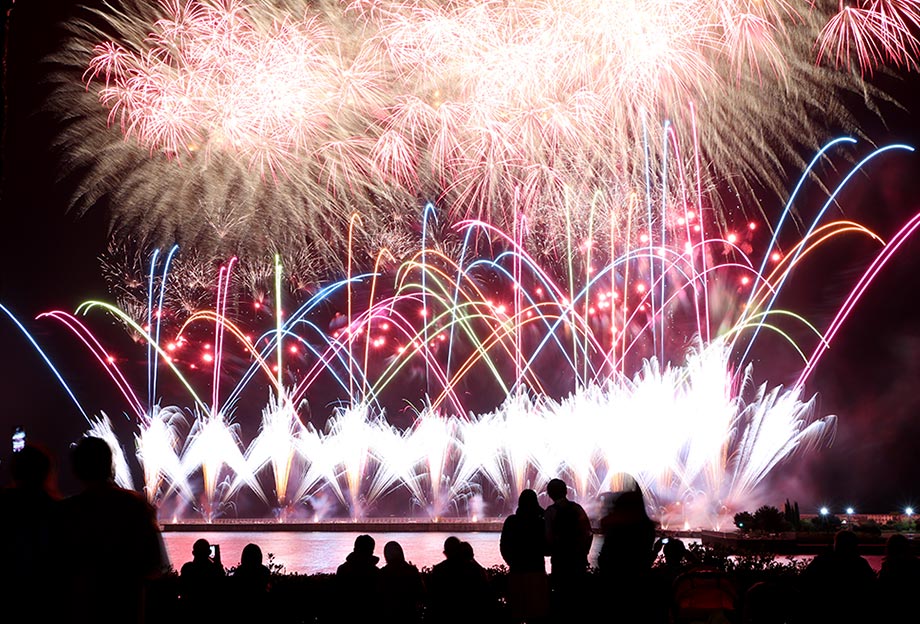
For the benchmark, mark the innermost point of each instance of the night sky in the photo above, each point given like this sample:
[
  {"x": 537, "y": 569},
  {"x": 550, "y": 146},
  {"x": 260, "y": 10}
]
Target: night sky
[{"x": 870, "y": 380}]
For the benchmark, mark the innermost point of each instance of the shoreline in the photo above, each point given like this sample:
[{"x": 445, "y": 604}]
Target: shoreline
[
  {"x": 366, "y": 525},
  {"x": 379, "y": 525},
  {"x": 790, "y": 543}
]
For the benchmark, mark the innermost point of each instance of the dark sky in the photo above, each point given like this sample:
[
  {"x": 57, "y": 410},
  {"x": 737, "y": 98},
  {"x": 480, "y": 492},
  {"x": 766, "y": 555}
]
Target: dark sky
[{"x": 871, "y": 379}]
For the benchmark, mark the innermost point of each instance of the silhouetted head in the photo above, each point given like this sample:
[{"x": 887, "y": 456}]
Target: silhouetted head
[
  {"x": 465, "y": 551},
  {"x": 845, "y": 543},
  {"x": 452, "y": 547},
  {"x": 92, "y": 460},
  {"x": 630, "y": 503},
  {"x": 674, "y": 552},
  {"x": 201, "y": 549},
  {"x": 769, "y": 602},
  {"x": 556, "y": 489},
  {"x": 364, "y": 545},
  {"x": 30, "y": 468},
  {"x": 251, "y": 556},
  {"x": 393, "y": 553},
  {"x": 897, "y": 546},
  {"x": 528, "y": 504}
]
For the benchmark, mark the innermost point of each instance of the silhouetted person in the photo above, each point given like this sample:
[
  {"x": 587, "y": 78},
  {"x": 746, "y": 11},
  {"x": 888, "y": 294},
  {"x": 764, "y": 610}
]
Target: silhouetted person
[
  {"x": 458, "y": 587},
  {"x": 899, "y": 580},
  {"x": 443, "y": 598},
  {"x": 676, "y": 556},
  {"x": 27, "y": 559},
  {"x": 772, "y": 602},
  {"x": 839, "y": 585},
  {"x": 110, "y": 542},
  {"x": 402, "y": 592},
  {"x": 677, "y": 559},
  {"x": 568, "y": 541},
  {"x": 523, "y": 546},
  {"x": 626, "y": 556},
  {"x": 357, "y": 581},
  {"x": 628, "y": 550},
  {"x": 248, "y": 588},
  {"x": 201, "y": 584}
]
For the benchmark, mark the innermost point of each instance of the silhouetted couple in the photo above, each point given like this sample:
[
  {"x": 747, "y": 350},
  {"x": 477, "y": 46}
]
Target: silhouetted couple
[
  {"x": 563, "y": 532},
  {"x": 84, "y": 559},
  {"x": 624, "y": 562},
  {"x": 459, "y": 588},
  {"x": 207, "y": 594},
  {"x": 393, "y": 593},
  {"x": 109, "y": 543}
]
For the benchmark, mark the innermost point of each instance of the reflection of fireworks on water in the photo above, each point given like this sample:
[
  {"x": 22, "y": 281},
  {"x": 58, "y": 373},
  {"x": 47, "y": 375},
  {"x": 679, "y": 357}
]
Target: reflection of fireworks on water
[
  {"x": 591, "y": 373},
  {"x": 262, "y": 128}
]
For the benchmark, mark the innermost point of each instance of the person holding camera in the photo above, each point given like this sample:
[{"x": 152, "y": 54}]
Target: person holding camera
[{"x": 201, "y": 582}]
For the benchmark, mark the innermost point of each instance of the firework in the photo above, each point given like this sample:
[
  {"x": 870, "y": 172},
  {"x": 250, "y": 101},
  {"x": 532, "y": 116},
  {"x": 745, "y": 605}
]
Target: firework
[
  {"x": 601, "y": 349},
  {"x": 871, "y": 34},
  {"x": 517, "y": 200},
  {"x": 250, "y": 129}
]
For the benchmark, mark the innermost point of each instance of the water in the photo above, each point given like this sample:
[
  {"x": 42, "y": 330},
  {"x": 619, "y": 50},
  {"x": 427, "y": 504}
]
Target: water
[{"x": 313, "y": 553}]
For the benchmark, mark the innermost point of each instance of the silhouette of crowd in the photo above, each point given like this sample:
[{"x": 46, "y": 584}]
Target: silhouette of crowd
[
  {"x": 86, "y": 558},
  {"x": 98, "y": 556}
]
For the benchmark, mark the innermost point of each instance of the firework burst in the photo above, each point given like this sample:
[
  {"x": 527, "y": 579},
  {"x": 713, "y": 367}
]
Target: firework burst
[{"x": 248, "y": 129}]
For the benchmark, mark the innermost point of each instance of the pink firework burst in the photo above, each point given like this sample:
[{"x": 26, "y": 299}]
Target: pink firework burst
[
  {"x": 293, "y": 115},
  {"x": 210, "y": 76},
  {"x": 871, "y": 34}
]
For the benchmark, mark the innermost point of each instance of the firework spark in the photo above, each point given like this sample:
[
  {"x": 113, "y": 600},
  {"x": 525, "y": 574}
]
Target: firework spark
[
  {"x": 590, "y": 352},
  {"x": 249, "y": 129},
  {"x": 872, "y": 34}
]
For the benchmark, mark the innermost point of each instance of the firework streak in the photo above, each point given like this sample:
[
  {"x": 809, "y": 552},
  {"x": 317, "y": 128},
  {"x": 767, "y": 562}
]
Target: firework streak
[
  {"x": 570, "y": 300},
  {"x": 637, "y": 365},
  {"x": 246, "y": 129}
]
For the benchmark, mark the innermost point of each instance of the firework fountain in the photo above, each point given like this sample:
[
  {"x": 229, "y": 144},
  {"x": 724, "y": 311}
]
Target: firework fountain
[
  {"x": 595, "y": 371},
  {"x": 573, "y": 301}
]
